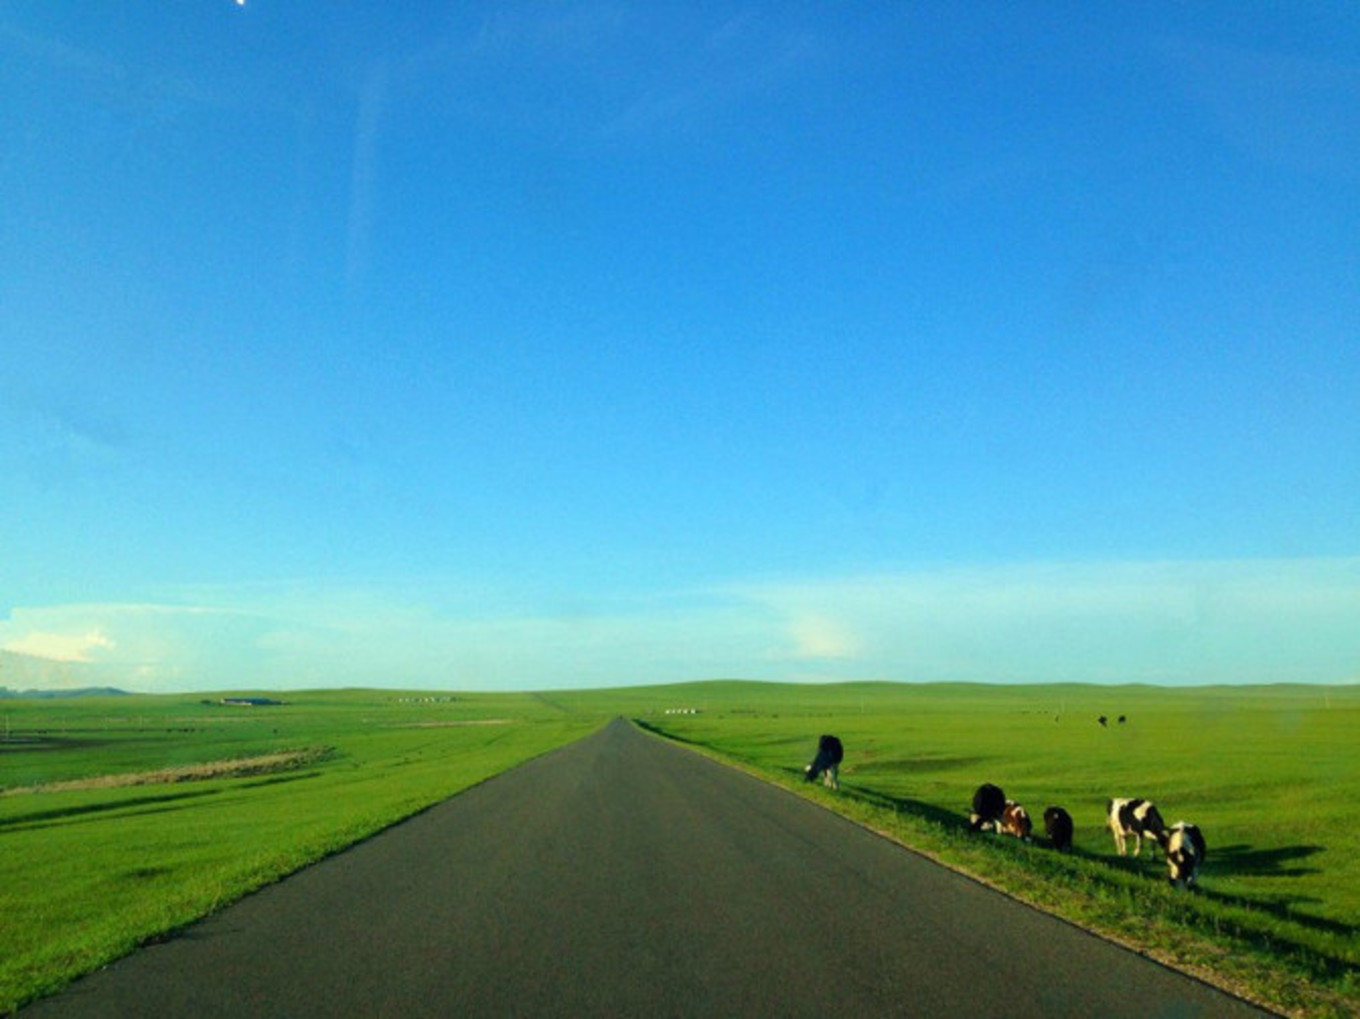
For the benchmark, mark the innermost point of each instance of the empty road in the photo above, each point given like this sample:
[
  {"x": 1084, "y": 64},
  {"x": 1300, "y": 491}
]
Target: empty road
[{"x": 625, "y": 876}]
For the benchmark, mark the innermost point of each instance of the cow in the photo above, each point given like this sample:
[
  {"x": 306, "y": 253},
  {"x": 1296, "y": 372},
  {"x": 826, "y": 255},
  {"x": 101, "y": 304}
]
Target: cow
[
  {"x": 1058, "y": 826},
  {"x": 827, "y": 763},
  {"x": 1136, "y": 819},
  {"x": 988, "y": 804},
  {"x": 1184, "y": 853},
  {"x": 1015, "y": 821}
]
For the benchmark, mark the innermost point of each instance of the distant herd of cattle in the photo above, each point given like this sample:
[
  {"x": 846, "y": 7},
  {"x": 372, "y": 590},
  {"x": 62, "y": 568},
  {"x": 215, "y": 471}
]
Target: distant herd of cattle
[{"x": 1136, "y": 819}]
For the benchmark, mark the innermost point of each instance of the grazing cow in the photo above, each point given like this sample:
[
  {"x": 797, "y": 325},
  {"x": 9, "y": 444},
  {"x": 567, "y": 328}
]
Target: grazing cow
[
  {"x": 1058, "y": 826},
  {"x": 1137, "y": 819},
  {"x": 988, "y": 804},
  {"x": 1184, "y": 854},
  {"x": 827, "y": 763},
  {"x": 1015, "y": 821}
]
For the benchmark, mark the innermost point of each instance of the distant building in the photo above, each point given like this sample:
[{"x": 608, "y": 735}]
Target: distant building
[{"x": 249, "y": 702}]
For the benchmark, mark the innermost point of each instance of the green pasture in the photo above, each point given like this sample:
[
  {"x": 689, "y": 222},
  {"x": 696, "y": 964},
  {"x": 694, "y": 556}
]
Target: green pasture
[
  {"x": 1270, "y": 774},
  {"x": 88, "y": 874}
]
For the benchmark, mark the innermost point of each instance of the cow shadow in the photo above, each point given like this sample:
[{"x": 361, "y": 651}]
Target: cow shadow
[
  {"x": 1281, "y": 861},
  {"x": 899, "y": 766},
  {"x": 1285, "y": 908},
  {"x": 950, "y": 819},
  {"x": 955, "y": 821},
  {"x": 1278, "y": 862}
]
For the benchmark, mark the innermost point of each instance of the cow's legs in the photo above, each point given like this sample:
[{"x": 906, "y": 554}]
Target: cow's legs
[{"x": 1118, "y": 840}]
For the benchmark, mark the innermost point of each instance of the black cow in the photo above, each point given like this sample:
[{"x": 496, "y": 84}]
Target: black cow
[
  {"x": 1058, "y": 825},
  {"x": 1136, "y": 819},
  {"x": 1184, "y": 853},
  {"x": 989, "y": 803},
  {"x": 827, "y": 763}
]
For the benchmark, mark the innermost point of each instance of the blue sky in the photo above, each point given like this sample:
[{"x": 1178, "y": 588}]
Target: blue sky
[{"x": 543, "y": 345}]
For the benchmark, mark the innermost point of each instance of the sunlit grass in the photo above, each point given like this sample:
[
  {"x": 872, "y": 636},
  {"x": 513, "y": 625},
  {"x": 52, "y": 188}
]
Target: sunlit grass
[
  {"x": 90, "y": 873},
  {"x": 1269, "y": 774}
]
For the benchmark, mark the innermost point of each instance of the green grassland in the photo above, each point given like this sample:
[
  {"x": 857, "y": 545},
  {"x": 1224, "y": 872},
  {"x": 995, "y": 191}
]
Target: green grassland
[
  {"x": 88, "y": 873},
  {"x": 1271, "y": 775},
  {"x": 92, "y": 868}
]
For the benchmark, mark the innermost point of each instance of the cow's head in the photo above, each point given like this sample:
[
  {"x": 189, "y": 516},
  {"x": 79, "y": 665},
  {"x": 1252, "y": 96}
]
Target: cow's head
[
  {"x": 1182, "y": 868},
  {"x": 1184, "y": 847}
]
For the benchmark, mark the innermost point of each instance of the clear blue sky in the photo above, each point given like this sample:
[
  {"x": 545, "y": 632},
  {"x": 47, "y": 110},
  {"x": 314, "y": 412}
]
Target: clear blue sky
[{"x": 545, "y": 345}]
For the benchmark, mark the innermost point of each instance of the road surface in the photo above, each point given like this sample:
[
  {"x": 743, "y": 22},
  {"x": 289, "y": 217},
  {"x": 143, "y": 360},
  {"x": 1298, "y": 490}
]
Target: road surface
[{"x": 626, "y": 876}]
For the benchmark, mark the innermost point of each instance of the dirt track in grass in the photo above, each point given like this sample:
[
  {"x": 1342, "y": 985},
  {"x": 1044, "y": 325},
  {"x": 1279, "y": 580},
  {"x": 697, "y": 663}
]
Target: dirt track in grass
[{"x": 264, "y": 764}]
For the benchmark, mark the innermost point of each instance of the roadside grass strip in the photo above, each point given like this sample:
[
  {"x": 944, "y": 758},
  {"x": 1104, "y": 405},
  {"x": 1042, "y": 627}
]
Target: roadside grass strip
[
  {"x": 96, "y": 865},
  {"x": 1296, "y": 969},
  {"x": 1274, "y": 920}
]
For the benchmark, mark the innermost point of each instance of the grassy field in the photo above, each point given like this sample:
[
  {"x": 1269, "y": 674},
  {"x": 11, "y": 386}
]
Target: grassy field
[
  {"x": 1272, "y": 776},
  {"x": 119, "y": 822},
  {"x": 124, "y": 818}
]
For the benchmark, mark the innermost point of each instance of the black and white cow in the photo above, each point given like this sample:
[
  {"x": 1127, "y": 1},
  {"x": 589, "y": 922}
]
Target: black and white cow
[
  {"x": 1058, "y": 826},
  {"x": 989, "y": 803},
  {"x": 827, "y": 763},
  {"x": 1184, "y": 853},
  {"x": 1015, "y": 821},
  {"x": 1136, "y": 819}
]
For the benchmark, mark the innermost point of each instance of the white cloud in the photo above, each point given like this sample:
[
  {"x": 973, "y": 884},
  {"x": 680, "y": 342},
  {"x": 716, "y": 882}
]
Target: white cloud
[
  {"x": 59, "y": 647},
  {"x": 145, "y": 646},
  {"x": 821, "y": 637}
]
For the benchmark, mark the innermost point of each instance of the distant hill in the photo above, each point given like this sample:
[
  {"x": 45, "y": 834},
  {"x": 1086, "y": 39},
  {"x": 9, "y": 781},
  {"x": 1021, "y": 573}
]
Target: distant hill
[{"x": 6, "y": 694}]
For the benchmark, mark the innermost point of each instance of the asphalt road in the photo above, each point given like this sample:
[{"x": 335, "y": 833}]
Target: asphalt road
[{"x": 625, "y": 876}]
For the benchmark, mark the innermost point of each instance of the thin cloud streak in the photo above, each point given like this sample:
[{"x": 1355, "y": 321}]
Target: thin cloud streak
[{"x": 364, "y": 173}]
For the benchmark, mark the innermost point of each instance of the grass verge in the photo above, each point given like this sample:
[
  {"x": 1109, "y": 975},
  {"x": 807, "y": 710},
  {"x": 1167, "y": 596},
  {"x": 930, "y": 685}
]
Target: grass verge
[
  {"x": 1289, "y": 963},
  {"x": 97, "y": 862}
]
